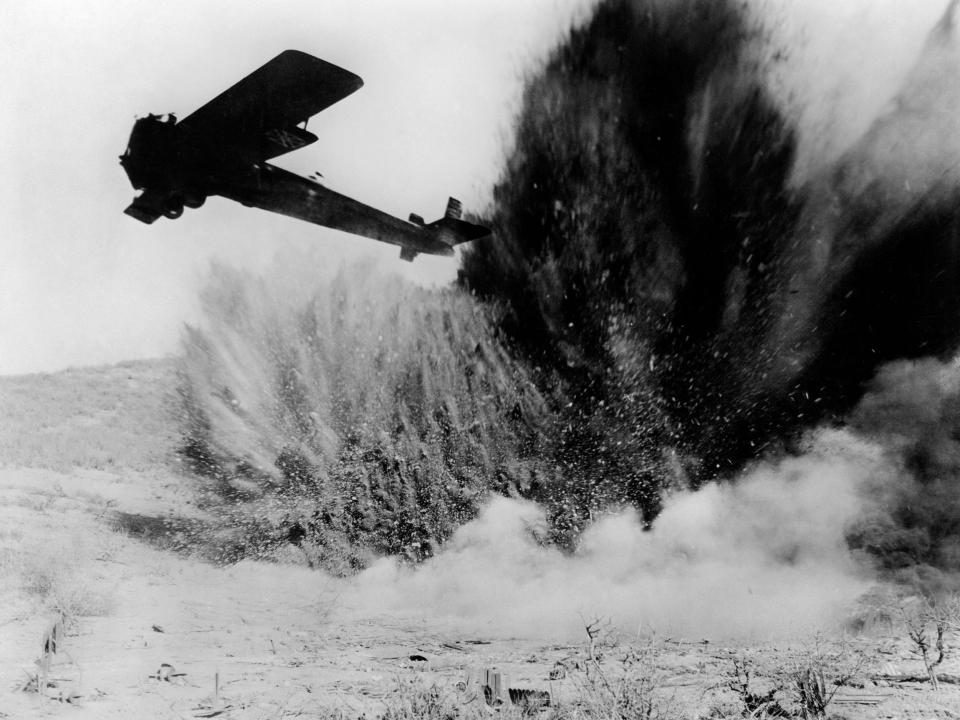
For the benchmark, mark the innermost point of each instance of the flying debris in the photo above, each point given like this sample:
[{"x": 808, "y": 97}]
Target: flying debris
[{"x": 222, "y": 149}]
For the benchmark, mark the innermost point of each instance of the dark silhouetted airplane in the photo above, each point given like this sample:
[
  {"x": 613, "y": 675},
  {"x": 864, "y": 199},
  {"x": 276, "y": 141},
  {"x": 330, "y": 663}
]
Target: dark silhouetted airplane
[{"x": 222, "y": 149}]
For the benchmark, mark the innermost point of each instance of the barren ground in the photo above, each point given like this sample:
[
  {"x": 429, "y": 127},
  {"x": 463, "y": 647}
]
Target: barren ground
[{"x": 88, "y": 484}]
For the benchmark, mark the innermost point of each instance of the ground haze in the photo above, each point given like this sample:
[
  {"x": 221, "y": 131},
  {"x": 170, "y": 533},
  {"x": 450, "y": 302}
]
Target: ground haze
[{"x": 104, "y": 526}]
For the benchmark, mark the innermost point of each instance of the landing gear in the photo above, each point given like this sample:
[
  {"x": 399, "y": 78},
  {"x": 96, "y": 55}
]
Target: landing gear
[
  {"x": 194, "y": 201},
  {"x": 173, "y": 206},
  {"x": 174, "y": 203}
]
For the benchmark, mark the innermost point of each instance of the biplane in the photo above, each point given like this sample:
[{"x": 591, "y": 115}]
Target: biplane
[{"x": 223, "y": 148}]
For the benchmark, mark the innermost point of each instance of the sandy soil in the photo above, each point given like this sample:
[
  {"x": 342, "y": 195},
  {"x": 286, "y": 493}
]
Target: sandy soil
[{"x": 153, "y": 633}]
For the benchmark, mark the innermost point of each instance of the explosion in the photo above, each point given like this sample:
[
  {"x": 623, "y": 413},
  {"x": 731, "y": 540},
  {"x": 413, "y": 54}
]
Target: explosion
[{"x": 707, "y": 352}]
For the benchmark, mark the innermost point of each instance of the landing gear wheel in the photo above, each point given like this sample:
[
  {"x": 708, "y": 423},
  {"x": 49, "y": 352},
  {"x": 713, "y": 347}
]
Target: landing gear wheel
[
  {"x": 173, "y": 207},
  {"x": 194, "y": 201}
]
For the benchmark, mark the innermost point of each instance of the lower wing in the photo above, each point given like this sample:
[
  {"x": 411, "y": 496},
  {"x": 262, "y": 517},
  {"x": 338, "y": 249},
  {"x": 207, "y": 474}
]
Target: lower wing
[{"x": 277, "y": 190}]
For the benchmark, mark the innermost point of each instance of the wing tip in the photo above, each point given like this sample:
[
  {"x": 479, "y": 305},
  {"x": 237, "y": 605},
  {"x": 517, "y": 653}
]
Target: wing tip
[{"x": 355, "y": 81}]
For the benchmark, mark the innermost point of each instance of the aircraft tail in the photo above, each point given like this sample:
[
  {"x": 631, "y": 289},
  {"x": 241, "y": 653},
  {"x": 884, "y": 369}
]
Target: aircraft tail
[
  {"x": 453, "y": 230},
  {"x": 450, "y": 230}
]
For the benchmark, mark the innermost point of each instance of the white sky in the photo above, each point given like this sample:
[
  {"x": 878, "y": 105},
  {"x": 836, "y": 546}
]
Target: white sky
[{"x": 82, "y": 283}]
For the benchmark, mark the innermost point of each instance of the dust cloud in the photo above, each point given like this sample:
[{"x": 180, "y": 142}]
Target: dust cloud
[
  {"x": 837, "y": 67},
  {"x": 790, "y": 547},
  {"x": 764, "y": 557}
]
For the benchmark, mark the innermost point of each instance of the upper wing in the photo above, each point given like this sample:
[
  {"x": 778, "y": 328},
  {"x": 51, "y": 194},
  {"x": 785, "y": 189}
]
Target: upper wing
[{"x": 261, "y": 111}]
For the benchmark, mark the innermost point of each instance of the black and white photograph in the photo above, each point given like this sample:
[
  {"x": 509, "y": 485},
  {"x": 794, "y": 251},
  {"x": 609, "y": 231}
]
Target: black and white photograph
[{"x": 472, "y": 359}]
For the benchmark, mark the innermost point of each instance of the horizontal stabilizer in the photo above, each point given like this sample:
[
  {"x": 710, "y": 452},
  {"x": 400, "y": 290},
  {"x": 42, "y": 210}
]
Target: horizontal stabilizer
[{"x": 454, "y": 232}]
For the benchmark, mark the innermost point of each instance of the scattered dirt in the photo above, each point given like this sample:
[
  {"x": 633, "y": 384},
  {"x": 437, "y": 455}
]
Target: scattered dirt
[{"x": 150, "y": 632}]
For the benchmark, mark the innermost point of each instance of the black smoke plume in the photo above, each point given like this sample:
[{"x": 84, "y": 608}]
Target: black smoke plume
[{"x": 655, "y": 253}]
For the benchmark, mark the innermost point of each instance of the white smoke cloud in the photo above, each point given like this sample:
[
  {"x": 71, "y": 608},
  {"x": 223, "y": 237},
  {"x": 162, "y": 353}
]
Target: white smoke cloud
[
  {"x": 909, "y": 399},
  {"x": 763, "y": 557},
  {"x": 840, "y": 65}
]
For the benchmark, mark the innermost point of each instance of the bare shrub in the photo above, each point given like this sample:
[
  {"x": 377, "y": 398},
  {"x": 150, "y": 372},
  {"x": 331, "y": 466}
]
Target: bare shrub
[
  {"x": 816, "y": 675},
  {"x": 61, "y": 576},
  {"x": 413, "y": 700},
  {"x": 754, "y": 704},
  {"x": 616, "y": 680},
  {"x": 927, "y": 623}
]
